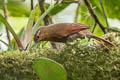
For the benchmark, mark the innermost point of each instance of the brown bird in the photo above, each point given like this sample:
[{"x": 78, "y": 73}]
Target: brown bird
[{"x": 62, "y": 32}]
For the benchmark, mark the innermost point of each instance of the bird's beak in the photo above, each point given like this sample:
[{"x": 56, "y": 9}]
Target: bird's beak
[
  {"x": 34, "y": 45},
  {"x": 89, "y": 27}
]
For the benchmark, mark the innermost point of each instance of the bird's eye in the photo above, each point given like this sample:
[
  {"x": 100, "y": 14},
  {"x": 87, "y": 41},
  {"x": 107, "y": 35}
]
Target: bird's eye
[{"x": 38, "y": 37}]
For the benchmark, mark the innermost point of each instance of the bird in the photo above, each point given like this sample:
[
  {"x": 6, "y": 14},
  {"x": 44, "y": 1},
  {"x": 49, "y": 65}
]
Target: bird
[
  {"x": 58, "y": 32},
  {"x": 63, "y": 32}
]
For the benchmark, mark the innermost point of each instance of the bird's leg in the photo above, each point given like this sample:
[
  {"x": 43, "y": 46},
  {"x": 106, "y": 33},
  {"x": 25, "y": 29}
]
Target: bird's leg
[
  {"x": 54, "y": 45},
  {"x": 70, "y": 38}
]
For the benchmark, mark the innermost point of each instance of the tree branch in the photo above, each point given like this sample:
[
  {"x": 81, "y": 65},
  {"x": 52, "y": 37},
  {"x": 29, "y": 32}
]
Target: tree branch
[
  {"x": 94, "y": 27},
  {"x": 47, "y": 20},
  {"x": 32, "y": 5},
  {"x": 104, "y": 14},
  {"x": 94, "y": 16}
]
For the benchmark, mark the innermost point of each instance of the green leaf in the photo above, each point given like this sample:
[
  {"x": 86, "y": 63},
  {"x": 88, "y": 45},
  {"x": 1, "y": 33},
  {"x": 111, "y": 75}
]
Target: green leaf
[
  {"x": 28, "y": 32},
  {"x": 9, "y": 48},
  {"x": 48, "y": 69},
  {"x": 17, "y": 8},
  {"x": 58, "y": 8},
  {"x": 35, "y": 27},
  {"x": 4, "y": 21}
]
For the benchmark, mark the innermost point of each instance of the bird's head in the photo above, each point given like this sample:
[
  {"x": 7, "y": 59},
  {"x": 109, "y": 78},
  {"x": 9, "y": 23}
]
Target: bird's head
[{"x": 39, "y": 35}]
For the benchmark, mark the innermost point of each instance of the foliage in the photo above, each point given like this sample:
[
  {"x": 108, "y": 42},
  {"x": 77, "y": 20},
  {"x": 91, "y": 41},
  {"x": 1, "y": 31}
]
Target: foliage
[
  {"x": 58, "y": 8},
  {"x": 28, "y": 32},
  {"x": 82, "y": 61},
  {"x": 48, "y": 69},
  {"x": 9, "y": 48},
  {"x": 108, "y": 5},
  {"x": 3, "y": 20},
  {"x": 85, "y": 18},
  {"x": 17, "y": 9},
  {"x": 37, "y": 24},
  {"x": 17, "y": 66},
  {"x": 111, "y": 9}
]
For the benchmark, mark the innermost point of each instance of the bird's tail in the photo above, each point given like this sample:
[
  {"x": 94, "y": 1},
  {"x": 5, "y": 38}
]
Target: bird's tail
[
  {"x": 101, "y": 40},
  {"x": 84, "y": 33}
]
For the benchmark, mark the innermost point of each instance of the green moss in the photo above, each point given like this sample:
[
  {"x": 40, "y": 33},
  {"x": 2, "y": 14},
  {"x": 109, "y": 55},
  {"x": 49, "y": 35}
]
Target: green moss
[
  {"x": 82, "y": 61},
  {"x": 15, "y": 65}
]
